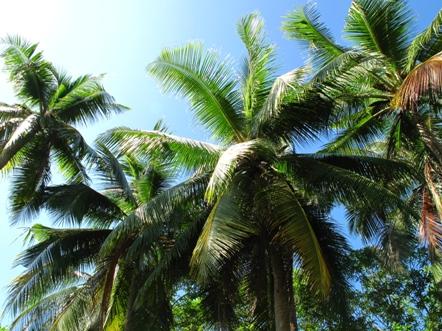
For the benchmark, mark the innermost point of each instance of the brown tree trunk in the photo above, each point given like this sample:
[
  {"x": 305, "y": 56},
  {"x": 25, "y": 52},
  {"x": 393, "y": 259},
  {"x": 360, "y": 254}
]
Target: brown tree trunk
[{"x": 284, "y": 305}]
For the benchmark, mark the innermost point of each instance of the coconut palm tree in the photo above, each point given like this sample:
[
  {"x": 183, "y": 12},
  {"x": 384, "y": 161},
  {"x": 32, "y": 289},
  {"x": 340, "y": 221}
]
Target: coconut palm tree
[
  {"x": 86, "y": 278},
  {"x": 388, "y": 86},
  {"x": 269, "y": 203},
  {"x": 41, "y": 127}
]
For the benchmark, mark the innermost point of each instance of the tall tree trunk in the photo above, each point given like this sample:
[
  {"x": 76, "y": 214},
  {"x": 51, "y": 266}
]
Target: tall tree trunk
[
  {"x": 133, "y": 288},
  {"x": 292, "y": 303},
  {"x": 284, "y": 308},
  {"x": 107, "y": 291}
]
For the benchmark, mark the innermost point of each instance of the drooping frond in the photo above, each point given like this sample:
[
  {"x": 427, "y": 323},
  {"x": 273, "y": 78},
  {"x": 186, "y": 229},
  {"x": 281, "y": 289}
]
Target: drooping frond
[
  {"x": 422, "y": 85},
  {"x": 258, "y": 75},
  {"x": 207, "y": 83},
  {"x": 377, "y": 188},
  {"x": 112, "y": 176},
  {"x": 154, "y": 213},
  {"x": 78, "y": 204},
  {"x": 430, "y": 228},
  {"x": 184, "y": 152},
  {"x": 21, "y": 135},
  {"x": 52, "y": 262},
  {"x": 222, "y": 236},
  {"x": 83, "y": 101},
  {"x": 31, "y": 175},
  {"x": 231, "y": 159},
  {"x": 291, "y": 227},
  {"x": 304, "y": 24}
]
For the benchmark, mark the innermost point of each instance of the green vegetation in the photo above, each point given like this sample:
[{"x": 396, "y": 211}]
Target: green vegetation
[{"x": 178, "y": 234}]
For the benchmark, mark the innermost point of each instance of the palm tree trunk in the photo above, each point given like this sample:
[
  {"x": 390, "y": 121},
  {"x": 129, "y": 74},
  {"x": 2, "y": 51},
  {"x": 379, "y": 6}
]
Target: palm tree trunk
[
  {"x": 107, "y": 290},
  {"x": 133, "y": 287},
  {"x": 284, "y": 308}
]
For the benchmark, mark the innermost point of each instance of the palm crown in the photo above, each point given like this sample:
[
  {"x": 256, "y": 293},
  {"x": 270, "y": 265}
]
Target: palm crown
[
  {"x": 267, "y": 202},
  {"x": 388, "y": 85},
  {"x": 86, "y": 278},
  {"x": 41, "y": 128}
]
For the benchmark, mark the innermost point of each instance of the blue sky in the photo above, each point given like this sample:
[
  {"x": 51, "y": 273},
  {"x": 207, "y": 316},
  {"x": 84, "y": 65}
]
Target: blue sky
[{"x": 119, "y": 38}]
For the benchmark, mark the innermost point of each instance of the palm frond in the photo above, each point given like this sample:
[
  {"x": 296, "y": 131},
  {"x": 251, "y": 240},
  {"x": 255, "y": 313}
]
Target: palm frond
[
  {"x": 304, "y": 25},
  {"x": 79, "y": 203},
  {"x": 380, "y": 26},
  {"x": 291, "y": 227},
  {"x": 112, "y": 175},
  {"x": 185, "y": 152},
  {"x": 222, "y": 236},
  {"x": 53, "y": 262},
  {"x": 426, "y": 44},
  {"x": 30, "y": 74},
  {"x": 84, "y": 100},
  {"x": 155, "y": 213},
  {"x": 31, "y": 175},
  {"x": 422, "y": 85},
  {"x": 287, "y": 85},
  {"x": 229, "y": 162},
  {"x": 259, "y": 69},
  {"x": 22, "y": 134},
  {"x": 207, "y": 83}
]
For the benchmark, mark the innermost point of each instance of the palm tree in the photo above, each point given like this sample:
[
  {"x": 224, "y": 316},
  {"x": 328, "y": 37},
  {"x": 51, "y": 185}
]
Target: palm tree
[
  {"x": 41, "y": 128},
  {"x": 87, "y": 278},
  {"x": 269, "y": 204},
  {"x": 388, "y": 86}
]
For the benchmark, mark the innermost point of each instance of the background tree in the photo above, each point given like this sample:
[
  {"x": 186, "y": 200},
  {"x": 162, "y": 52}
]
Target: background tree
[{"x": 41, "y": 128}]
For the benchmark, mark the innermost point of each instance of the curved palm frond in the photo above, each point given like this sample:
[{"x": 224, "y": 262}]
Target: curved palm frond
[
  {"x": 84, "y": 100},
  {"x": 207, "y": 83},
  {"x": 222, "y": 236},
  {"x": 30, "y": 74},
  {"x": 19, "y": 138},
  {"x": 258, "y": 76},
  {"x": 380, "y": 26},
  {"x": 422, "y": 85},
  {"x": 185, "y": 152},
  {"x": 284, "y": 87},
  {"x": 231, "y": 159},
  {"x": 78, "y": 203},
  {"x": 304, "y": 25},
  {"x": 426, "y": 44}
]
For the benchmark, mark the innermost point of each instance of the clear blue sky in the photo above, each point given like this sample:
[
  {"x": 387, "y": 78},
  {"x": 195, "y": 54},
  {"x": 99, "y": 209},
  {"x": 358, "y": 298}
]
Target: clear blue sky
[{"x": 120, "y": 38}]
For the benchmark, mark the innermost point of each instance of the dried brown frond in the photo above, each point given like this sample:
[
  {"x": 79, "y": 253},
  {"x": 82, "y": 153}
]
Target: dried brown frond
[
  {"x": 423, "y": 82},
  {"x": 431, "y": 216}
]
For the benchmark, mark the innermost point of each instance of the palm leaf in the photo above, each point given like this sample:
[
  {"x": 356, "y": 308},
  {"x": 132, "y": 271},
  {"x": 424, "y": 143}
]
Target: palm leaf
[
  {"x": 422, "y": 85},
  {"x": 229, "y": 162},
  {"x": 426, "y": 44},
  {"x": 380, "y": 26},
  {"x": 22, "y": 134},
  {"x": 184, "y": 152},
  {"x": 28, "y": 71},
  {"x": 222, "y": 236},
  {"x": 84, "y": 100},
  {"x": 207, "y": 83},
  {"x": 304, "y": 25},
  {"x": 259, "y": 69}
]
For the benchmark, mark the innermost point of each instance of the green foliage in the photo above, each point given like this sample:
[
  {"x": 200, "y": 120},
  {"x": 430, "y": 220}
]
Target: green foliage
[{"x": 385, "y": 296}]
